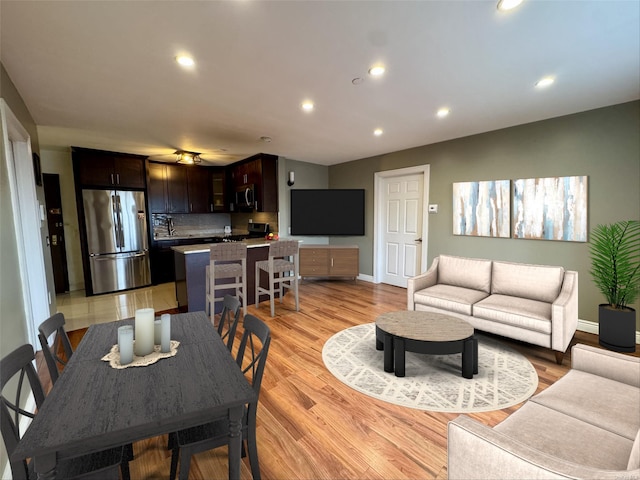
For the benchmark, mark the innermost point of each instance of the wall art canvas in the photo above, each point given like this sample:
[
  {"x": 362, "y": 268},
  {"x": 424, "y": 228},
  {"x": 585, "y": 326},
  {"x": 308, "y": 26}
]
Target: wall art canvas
[
  {"x": 482, "y": 209},
  {"x": 553, "y": 208}
]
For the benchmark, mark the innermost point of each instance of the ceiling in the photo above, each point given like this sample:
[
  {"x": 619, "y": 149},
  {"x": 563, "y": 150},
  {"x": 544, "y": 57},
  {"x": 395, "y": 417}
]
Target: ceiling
[{"x": 102, "y": 74}]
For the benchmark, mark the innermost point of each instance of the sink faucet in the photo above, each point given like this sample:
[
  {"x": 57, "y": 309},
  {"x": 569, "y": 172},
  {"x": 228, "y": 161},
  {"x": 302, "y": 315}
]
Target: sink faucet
[{"x": 170, "y": 226}]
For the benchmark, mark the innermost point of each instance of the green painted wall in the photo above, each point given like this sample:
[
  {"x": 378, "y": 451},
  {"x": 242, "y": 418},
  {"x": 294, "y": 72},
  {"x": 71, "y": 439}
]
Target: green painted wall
[
  {"x": 603, "y": 144},
  {"x": 13, "y": 330}
]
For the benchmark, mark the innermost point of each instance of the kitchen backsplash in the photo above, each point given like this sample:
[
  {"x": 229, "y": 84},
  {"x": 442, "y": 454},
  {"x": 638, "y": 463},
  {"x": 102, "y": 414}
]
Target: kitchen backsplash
[
  {"x": 208, "y": 223},
  {"x": 190, "y": 224}
]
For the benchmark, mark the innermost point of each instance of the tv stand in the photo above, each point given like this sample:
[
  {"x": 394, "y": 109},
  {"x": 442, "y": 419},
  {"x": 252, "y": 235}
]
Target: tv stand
[{"x": 329, "y": 261}]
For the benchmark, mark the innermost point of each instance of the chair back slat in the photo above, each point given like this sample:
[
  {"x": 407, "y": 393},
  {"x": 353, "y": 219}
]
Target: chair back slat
[
  {"x": 228, "y": 322},
  {"x": 19, "y": 362},
  {"x": 254, "y": 347},
  {"x": 54, "y": 361}
]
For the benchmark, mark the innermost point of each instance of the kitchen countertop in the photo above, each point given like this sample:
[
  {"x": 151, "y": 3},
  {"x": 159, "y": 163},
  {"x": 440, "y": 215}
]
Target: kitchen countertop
[
  {"x": 204, "y": 248},
  {"x": 196, "y": 236}
]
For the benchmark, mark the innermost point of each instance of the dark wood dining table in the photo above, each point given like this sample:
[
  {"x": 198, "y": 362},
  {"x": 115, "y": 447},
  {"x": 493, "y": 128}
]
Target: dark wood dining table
[{"x": 93, "y": 406}]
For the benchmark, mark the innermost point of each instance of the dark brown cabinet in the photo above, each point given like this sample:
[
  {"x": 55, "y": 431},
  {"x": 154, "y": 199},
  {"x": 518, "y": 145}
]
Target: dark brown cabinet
[
  {"x": 162, "y": 266},
  {"x": 260, "y": 171},
  {"x": 218, "y": 181},
  {"x": 168, "y": 191},
  {"x": 199, "y": 190},
  {"x": 98, "y": 168}
]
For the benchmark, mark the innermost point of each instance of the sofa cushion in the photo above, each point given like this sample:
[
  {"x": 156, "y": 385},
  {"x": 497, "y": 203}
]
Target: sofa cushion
[
  {"x": 465, "y": 272},
  {"x": 602, "y": 402},
  {"x": 448, "y": 297},
  {"x": 566, "y": 437},
  {"x": 634, "y": 458},
  {"x": 537, "y": 282},
  {"x": 521, "y": 312}
]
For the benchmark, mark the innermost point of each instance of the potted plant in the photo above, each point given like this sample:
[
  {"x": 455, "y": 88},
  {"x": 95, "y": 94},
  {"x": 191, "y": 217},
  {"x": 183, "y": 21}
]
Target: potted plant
[{"x": 615, "y": 268}]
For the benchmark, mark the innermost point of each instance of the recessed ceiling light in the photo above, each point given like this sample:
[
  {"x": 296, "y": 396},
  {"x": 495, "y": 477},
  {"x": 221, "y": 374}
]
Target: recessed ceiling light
[
  {"x": 307, "y": 106},
  {"x": 376, "y": 70},
  {"x": 443, "y": 112},
  {"x": 505, "y": 5},
  {"x": 377, "y": 132},
  {"x": 185, "y": 60},
  {"x": 545, "y": 82},
  {"x": 265, "y": 139}
]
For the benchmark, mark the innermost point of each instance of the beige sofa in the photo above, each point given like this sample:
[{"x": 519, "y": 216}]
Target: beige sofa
[
  {"x": 537, "y": 304},
  {"x": 585, "y": 426}
]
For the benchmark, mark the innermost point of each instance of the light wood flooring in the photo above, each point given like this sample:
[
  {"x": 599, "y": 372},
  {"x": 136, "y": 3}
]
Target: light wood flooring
[{"x": 311, "y": 426}]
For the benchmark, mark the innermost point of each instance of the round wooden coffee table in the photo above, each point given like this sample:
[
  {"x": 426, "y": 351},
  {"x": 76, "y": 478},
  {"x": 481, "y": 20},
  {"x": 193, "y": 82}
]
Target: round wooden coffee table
[{"x": 425, "y": 332}]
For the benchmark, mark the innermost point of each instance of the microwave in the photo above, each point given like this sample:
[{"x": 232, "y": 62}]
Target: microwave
[{"x": 245, "y": 197}]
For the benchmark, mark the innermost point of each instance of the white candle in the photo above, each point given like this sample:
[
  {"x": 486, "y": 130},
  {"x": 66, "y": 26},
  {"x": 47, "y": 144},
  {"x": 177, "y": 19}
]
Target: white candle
[
  {"x": 144, "y": 331},
  {"x": 156, "y": 331},
  {"x": 125, "y": 344},
  {"x": 165, "y": 334}
]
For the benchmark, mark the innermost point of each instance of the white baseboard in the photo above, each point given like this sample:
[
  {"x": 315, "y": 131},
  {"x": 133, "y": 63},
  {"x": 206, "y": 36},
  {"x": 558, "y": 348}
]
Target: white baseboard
[
  {"x": 366, "y": 278},
  {"x": 592, "y": 327}
]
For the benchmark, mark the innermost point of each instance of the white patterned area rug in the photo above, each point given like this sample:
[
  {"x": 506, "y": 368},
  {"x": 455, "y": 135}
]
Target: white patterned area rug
[{"x": 432, "y": 382}]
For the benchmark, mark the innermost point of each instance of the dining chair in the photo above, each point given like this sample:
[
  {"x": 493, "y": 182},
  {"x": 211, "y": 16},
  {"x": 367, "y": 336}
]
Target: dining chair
[
  {"x": 52, "y": 358},
  {"x": 283, "y": 258},
  {"x": 13, "y": 368},
  {"x": 226, "y": 260},
  {"x": 228, "y": 323},
  {"x": 51, "y": 355},
  {"x": 251, "y": 358}
]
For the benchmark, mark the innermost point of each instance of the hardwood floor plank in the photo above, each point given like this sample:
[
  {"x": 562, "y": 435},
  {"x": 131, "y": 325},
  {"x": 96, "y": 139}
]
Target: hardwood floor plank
[{"x": 312, "y": 426}]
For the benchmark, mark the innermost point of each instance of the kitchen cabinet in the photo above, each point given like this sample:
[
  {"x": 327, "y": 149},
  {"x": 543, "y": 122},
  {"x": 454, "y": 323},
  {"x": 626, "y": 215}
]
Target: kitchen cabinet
[
  {"x": 168, "y": 189},
  {"x": 218, "y": 190},
  {"x": 261, "y": 172},
  {"x": 198, "y": 189},
  {"x": 184, "y": 189},
  {"x": 161, "y": 259},
  {"x": 329, "y": 261},
  {"x": 103, "y": 169}
]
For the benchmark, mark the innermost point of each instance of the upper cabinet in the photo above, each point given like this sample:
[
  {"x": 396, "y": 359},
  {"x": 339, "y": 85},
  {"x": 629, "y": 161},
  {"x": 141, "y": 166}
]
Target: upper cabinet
[
  {"x": 185, "y": 189},
  {"x": 199, "y": 190},
  {"x": 261, "y": 172},
  {"x": 98, "y": 168},
  {"x": 218, "y": 180},
  {"x": 168, "y": 191}
]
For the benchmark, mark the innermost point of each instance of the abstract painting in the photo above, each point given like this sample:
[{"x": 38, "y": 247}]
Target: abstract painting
[
  {"x": 482, "y": 208},
  {"x": 553, "y": 208}
]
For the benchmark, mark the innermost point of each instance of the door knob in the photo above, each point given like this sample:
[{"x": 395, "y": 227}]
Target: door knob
[{"x": 419, "y": 240}]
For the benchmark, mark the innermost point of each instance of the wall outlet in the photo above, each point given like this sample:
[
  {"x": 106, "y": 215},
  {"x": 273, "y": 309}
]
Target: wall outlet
[{"x": 433, "y": 208}]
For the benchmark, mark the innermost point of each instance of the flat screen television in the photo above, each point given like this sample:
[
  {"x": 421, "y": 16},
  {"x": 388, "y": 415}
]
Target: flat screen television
[{"x": 327, "y": 212}]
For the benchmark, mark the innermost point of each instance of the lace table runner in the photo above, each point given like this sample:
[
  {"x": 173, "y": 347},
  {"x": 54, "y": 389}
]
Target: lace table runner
[{"x": 113, "y": 357}]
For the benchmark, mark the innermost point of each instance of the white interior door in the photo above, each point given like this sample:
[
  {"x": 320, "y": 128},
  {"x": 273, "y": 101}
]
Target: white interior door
[{"x": 402, "y": 227}]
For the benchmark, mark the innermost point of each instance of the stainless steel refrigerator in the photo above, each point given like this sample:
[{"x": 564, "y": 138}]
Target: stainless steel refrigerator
[{"x": 116, "y": 223}]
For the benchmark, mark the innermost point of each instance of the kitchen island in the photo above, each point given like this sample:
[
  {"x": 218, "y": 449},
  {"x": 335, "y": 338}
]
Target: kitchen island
[{"x": 190, "y": 264}]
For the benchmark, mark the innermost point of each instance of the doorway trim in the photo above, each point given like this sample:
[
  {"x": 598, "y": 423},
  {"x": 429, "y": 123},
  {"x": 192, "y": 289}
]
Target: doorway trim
[
  {"x": 378, "y": 210},
  {"x": 27, "y": 215}
]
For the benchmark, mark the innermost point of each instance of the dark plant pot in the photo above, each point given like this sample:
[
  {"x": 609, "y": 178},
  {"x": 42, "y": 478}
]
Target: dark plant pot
[{"x": 617, "y": 329}]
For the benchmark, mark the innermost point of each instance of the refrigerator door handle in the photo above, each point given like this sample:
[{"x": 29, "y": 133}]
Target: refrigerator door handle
[{"x": 119, "y": 232}]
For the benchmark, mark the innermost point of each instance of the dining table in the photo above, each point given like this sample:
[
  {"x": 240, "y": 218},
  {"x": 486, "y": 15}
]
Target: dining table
[{"x": 93, "y": 406}]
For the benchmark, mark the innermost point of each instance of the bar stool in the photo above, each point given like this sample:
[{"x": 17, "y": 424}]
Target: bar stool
[
  {"x": 278, "y": 264},
  {"x": 226, "y": 260}
]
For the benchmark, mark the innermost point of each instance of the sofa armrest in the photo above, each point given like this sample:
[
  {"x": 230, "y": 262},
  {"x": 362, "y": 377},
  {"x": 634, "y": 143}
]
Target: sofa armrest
[
  {"x": 476, "y": 451},
  {"x": 424, "y": 280},
  {"x": 564, "y": 313},
  {"x": 605, "y": 363}
]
